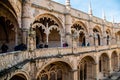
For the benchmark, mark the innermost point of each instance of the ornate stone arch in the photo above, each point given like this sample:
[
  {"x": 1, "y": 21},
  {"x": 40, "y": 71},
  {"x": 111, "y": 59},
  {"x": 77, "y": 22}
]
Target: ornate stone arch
[
  {"x": 108, "y": 31},
  {"x": 117, "y": 36},
  {"x": 98, "y": 29},
  {"x": 52, "y": 27},
  {"x": 104, "y": 62},
  {"x": 87, "y": 68},
  {"x": 9, "y": 6},
  {"x": 118, "y": 32},
  {"x": 80, "y": 30},
  {"x": 88, "y": 56},
  {"x": 38, "y": 24},
  {"x": 55, "y": 61},
  {"x": 51, "y": 16},
  {"x": 106, "y": 54},
  {"x": 107, "y": 36},
  {"x": 9, "y": 25},
  {"x": 97, "y": 34},
  {"x": 115, "y": 51},
  {"x": 80, "y": 23},
  {"x": 22, "y": 74},
  {"x": 114, "y": 60}
]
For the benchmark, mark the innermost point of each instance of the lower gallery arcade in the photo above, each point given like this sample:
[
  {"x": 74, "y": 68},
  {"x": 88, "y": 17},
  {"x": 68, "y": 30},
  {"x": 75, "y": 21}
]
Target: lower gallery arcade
[{"x": 87, "y": 68}]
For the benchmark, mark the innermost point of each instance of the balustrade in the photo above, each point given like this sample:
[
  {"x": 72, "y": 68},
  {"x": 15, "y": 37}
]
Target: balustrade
[{"x": 8, "y": 60}]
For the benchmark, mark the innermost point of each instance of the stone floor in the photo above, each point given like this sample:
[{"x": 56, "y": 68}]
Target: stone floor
[{"x": 114, "y": 76}]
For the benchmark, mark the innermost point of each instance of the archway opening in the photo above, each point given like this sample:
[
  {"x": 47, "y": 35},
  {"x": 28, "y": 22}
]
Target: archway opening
[
  {"x": 40, "y": 37},
  {"x": 96, "y": 37},
  {"x": 118, "y": 37},
  {"x": 9, "y": 27},
  {"x": 80, "y": 30},
  {"x": 108, "y": 36},
  {"x": 49, "y": 33},
  {"x": 108, "y": 40},
  {"x": 56, "y": 71},
  {"x": 119, "y": 62},
  {"x": 54, "y": 38},
  {"x": 114, "y": 61},
  {"x": 87, "y": 69},
  {"x": 18, "y": 77},
  {"x": 103, "y": 64},
  {"x": 82, "y": 40}
]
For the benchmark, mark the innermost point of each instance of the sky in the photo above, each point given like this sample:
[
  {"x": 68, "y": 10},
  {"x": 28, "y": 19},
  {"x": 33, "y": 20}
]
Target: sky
[{"x": 111, "y": 8}]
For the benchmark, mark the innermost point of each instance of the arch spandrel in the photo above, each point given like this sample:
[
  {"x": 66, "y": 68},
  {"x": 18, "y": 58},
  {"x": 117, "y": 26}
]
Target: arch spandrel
[{"x": 51, "y": 16}]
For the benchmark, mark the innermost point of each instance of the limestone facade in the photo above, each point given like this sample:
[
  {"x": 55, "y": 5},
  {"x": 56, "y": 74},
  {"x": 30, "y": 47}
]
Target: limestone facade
[{"x": 92, "y": 51}]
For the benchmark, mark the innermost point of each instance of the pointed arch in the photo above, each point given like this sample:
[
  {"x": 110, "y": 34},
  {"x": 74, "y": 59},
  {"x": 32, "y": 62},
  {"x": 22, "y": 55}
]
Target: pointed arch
[
  {"x": 114, "y": 60},
  {"x": 108, "y": 31},
  {"x": 107, "y": 36},
  {"x": 80, "y": 25},
  {"x": 87, "y": 68},
  {"x": 9, "y": 6},
  {"x": 117, "y": 36},
  {"x": 51, "y": 16},
  {"x": 19, "y": 76},
  {"x": 56, "y": 71},
  {"x": 38, "y": 25},
  {"x": 9, "y": 25},
  {"x": 104, "y": 63},
  {"x": 97, "y": 32},
  {"x": 98, "y": 29},
  {"x": 52, "y": 26},
  {"x": 80, "y": 28}
]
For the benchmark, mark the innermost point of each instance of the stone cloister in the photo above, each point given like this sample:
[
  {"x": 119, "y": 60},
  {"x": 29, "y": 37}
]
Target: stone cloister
[{"x": 44, "y": 26}]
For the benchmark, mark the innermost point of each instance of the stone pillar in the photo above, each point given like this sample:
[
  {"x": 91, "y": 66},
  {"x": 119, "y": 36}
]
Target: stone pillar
[
  {"x": 47, "y": 34},
  {"x": 31, "y": 40},
  {"x": 87, "y": 39},
  {"x": 33, "y": 70},
  {"x": 119, "y": 62},
  {"x": 62, "y": 38},
  {"x": 97, "y": 71},
  {"x": 26, "y": 19},
  {"x": 68, "y": 24},
  {"x": 24, "y": 35},
  {"x": 104, "y": 35},
  {"x": 75, "y": 69},
  {"x": 104, "y": 25},
  {"x": 91, "y": 37},
  {"x": 110, "y": 66},
  {"x": 16, "y": 36}
]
